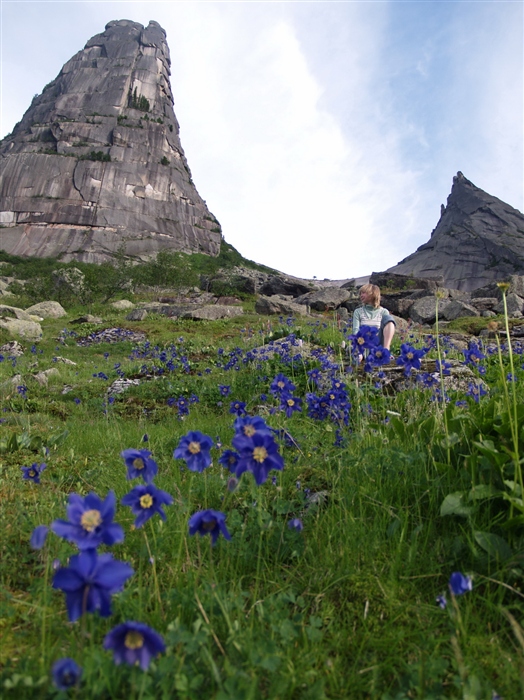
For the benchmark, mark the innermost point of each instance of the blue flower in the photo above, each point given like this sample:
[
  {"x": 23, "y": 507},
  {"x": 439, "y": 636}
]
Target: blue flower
[
  {"x": 194, "y": 449},
  {"x": 460, "y": 584},
  {"x": 33, "y": 472},
  {"x": 410, "y": 357},
  {"x": 280, "y": 385},
  {"x": 258, "y": 454},
  {"x": 295, "y": 524},
  {"x": 134, "y": 643},
  {"x": 224, "y": 389},
  {"x": 139, "y": 464},
  {"x": 289, "y": 404},
  {"x": 38, "y": 537},
  {"x": 145, "y": 501},
  {"x": 366, "y": 338},
  {"x": 66, "y": 673},
  {"x": 238, "y": 408},
  {"x": 89, "y": 581},
  {"x": 441, "y": 601},
  {"x": 90, "y": 521},
  {"x": 209, "y": 522},
  {"x": 476, "y": 391},
  {"x": 249, "y": 425},
  {"x": 229, "y": 459}
]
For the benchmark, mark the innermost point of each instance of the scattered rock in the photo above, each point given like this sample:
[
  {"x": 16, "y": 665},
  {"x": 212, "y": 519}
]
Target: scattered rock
[
  {"x": 212, "y": 313},
  {"x": 122, "y": 305},
  {"x": 47, "y": 309},
  {"x": 514, "y": 305},
  {"x": 275, "y": 306},
  {"x": 458, "y": 309},
  {"x": 30, "y": 330},
  {"x": 326, "y": 299},
  {"x": 137, "y": 315},
  {"x": 12, "y": 349},
  {"x": 112, "y": 335},
  {"x": 43, "y": 377},
  {"x": 87, "y": 318}
]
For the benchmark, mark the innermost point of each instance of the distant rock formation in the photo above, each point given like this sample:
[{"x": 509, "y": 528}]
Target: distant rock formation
[
  {"x": 479, "y": 239},
  {"x": 96, "y": 165}
]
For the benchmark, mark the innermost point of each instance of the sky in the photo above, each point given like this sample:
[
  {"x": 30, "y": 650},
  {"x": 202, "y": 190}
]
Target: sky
[{"x": 324, "y": 136}]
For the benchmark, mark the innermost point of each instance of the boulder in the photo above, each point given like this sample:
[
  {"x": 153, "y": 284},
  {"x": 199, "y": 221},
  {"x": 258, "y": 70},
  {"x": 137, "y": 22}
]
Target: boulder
[
  {"x": 212, "y": 313},
  {"x": 15, "y": 312},
  {"x": 457, "y": 309},
  {"x": 484, "y": 303},
  {"x": 275, "y": 306},
  {"x": 30, "y": 330},
  {"x": 325, "y": 299},
  {"x": 87, "y": 318},
  {"x": 424, "y": 310},
  {"x": 12, "y": 349},
  {"x": 70, "y": 280},
  {"x": 277, "y": 284},
  {"x": 122, "y": 305},
  {"x": 137, "y": 315},
  {"x": 396, "y": 282},
  {"x": 47, "y": 309},
  {"x": 514, "y": 305},
  {"x": 43, "y": 377}
]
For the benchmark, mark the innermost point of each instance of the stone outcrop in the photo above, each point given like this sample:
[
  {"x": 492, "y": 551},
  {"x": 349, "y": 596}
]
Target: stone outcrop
[
  {"x": 478, "y": 239},
  {"x": 96, "y": 166},
  {"x": 47, "y": 309}
]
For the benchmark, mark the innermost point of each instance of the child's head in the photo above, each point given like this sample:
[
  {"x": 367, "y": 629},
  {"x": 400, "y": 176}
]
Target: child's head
[{"x": 370, "y": 294}]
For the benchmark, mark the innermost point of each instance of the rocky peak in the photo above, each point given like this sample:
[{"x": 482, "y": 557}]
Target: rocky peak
[
  {"x": 478, "y": 239},
  {"x": 96, "y": 164}
]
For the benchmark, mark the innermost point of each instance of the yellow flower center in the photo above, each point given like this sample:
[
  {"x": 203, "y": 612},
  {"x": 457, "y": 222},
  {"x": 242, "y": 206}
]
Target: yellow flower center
[
  {"x": 146, "y": 501},
  {"x": 281, "y": 385},
  {"x": 90, "y": 520},
  {"x": 194, "y": 448},
  {"x": 360, "y": 341},
  {"x": 249, "y": 430},
  {"x": 138, "y": 463},
  {"x": 32, "y": 472},
  {"x": 290, "y": 402},
  {"x": 134, "y": 640},
  {"x": 410, "y": 355},
  {"x": 259, "y": 454}
]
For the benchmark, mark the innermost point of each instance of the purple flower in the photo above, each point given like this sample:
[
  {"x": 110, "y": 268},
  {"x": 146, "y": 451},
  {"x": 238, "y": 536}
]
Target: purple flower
[
  {"x": 441, "y": 601},
  {"x": 194, "y": 449},
  {"x": 476, "y": 391},
  {"x": 224, "y": 389},
  {"x": 460, "y": 584},
  {"x": 139, "y": 464},
  {"x": 295, "y": 524},
  {"x": 89, "y": 581},
  {"x": 145, "y": 501},
  {"x": 258, "y": 454},
  {"x": 366, "y": 338},
  {"x": 33, "y": 472},
  {"x": 134, "y": 643},
  {"x": 66, "y": 673},
  {"x": 38, "y": 537},
  {"x": 90, "y": 521},
  {"x": 209, "y": 522}
]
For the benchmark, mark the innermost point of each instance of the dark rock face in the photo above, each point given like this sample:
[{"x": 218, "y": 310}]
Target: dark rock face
[
  {"x": 96, "y": 165},
  {"x": 479, "y": 239}
]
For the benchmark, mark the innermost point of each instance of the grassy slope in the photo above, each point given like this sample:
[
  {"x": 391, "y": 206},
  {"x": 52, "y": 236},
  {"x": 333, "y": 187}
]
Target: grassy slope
[{"x": 346, "y": 608}]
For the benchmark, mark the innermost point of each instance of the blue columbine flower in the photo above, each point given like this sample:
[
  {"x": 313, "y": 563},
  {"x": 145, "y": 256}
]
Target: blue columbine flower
[
  {"x": 90, "y": 521},
  {"x": 289, "y": 404},
  {"x": 258, "y": 454},
  {"x": 66, "y": 673},
  {"x": 145, "y": 501},
  {"x": 410, "y": 357},
  {"x": 238, "y": 408},
  {"x": 249, "y": 425},
  {"x": 139, "y": 464},
  {"x": 229, "y": 459},
  {"x": 280, "y": 385},
  {"x": 134, "y": 643},
  {"x": 209, "y": 522},
  {"x": 224, "y": 389},
  {"x": 460, "y": 584},
  {"x": 33, "y": 472},
  {"x": 476, "y": 391},
  {"x": 89, "y": 581},
  {"x": 194, "y": 449},
  {"x": 38, "y": 537}
]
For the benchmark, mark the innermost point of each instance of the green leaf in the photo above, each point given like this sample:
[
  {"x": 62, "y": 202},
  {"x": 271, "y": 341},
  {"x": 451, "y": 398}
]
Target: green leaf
[
  {"x": 482, "y": 491},
  {"x": 454, "y": 504},
  {"x": 494, "y": 545}
]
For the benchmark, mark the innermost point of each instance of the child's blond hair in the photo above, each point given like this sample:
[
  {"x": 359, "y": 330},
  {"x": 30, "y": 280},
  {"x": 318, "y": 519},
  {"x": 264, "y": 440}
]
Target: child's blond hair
[{"x": 375, "y": 293}]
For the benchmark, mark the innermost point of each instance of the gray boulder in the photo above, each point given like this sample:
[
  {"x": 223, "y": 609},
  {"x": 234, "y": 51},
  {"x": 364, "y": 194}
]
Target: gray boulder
[
  {"x": 212, "y": 313},
  {"x": 276, "y": 306},
  {"x": 71, "y": 280},
  {"x": 47, "y": 309},
  {"x": 277, "y": 284},
  {"x": 396, "y": 282},
  {"x": 424, "y": 310},
  {"x": 325, "y": 299},
  {"x": 14, "y": 312},
  {"x": 30, "y": 330},
  {"x": 122, "y": 305},
  {"x": 457, "y": 309},
  {"x": 137, "y": 315},
  {"x": 514, "y": 305}
]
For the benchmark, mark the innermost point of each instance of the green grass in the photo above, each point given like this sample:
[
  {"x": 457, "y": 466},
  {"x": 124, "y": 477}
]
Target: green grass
[{"x": 345, "y": 608}]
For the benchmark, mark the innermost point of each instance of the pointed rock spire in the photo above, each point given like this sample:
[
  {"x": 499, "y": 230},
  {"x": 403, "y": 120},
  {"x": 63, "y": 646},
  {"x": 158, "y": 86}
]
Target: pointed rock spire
[
  {"x": 96, "y": 165},
  {"x": 479, "y": 239}
]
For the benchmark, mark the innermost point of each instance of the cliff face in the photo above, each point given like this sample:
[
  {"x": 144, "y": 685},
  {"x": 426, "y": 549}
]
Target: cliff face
[
  {"x": 96, "y": 165},
  {"x": 479, "y": 239}
]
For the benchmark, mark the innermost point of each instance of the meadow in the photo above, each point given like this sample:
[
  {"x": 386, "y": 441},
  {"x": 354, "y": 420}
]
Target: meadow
[{"x": 291, "y": 527}]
